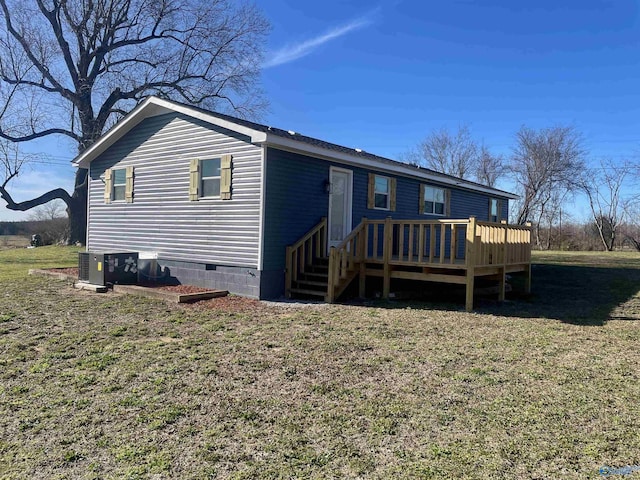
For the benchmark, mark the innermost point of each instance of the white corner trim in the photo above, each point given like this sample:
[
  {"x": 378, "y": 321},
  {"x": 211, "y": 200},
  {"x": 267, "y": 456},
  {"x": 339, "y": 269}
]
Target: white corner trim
[{"x": 263, "y": 184}]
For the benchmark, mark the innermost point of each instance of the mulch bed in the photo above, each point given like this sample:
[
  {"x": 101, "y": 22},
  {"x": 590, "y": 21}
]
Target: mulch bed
[{"x": 230, "y": 304}]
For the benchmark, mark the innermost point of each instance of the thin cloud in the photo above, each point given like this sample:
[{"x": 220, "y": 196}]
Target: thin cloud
[{"x": 290, "y": 53}]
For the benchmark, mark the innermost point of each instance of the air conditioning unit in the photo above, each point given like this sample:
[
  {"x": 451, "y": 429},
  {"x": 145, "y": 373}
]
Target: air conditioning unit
[{"x": 108, "y": 268}]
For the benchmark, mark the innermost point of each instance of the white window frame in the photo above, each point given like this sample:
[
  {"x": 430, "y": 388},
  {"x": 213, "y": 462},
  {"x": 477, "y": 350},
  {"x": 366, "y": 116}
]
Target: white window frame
[
  {"x": 114, "y": 185},
  {"x": 202, "y": 178},
  {"x": 498, "y": 216},
  {"x": 428, "y": 188},
  {"x": 387, "y": 193}
]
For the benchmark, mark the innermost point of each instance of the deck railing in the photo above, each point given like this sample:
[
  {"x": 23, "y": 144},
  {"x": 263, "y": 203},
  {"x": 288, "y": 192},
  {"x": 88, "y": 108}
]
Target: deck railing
[{"x": 468, "y": 246}]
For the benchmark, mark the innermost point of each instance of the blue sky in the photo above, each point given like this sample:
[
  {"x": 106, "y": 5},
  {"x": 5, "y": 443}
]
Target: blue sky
[{"x": 382, "y": 76}]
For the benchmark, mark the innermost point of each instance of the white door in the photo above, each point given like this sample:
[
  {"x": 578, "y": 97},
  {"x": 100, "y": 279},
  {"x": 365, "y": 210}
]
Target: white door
[{"x": 340, "y": 203}]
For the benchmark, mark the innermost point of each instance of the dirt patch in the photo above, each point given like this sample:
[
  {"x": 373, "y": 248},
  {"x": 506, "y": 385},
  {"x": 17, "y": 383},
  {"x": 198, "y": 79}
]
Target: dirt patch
[
  {"x": 233, "y": 304},
  {"x": 73, "y": 271}
]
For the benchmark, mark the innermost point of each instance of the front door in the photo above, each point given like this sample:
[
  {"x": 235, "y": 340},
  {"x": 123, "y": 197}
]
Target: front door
[{"x": 340, "y": 203}]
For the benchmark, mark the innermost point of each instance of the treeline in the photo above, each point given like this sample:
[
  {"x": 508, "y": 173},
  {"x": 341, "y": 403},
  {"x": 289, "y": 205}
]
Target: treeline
[
  {"x": 550, "y": 169},
  {"x": 52, "y": 231},
  {"x": 578, "y": 236}
]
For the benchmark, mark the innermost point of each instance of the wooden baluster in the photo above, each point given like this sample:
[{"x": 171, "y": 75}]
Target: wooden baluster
[
  {"x": 410, "y": 250},
  {"x": 470, "y": 257},
  {"x": 443, "y": 241},
  {"x": 453, "y": 247},
  {"x": 432, "y": 242},
  {"x": 388, "y": 248}
]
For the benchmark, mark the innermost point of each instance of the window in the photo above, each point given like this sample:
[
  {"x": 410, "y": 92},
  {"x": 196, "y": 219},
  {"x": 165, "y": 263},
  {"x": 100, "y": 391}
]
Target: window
[
  {"x": 434, "y": 200},
  {"x": 118, "y": 185},
  {"x": 210, "y": 178},
  {"x": 495, "y": 210},
  {"x": 382, "y": 193}
]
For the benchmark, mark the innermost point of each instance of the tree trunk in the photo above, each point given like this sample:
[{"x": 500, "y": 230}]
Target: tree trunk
[{"x": 77, "y": 209}]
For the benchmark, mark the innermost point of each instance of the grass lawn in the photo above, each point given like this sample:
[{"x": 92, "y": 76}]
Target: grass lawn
[{"x": 111, "y": 387}]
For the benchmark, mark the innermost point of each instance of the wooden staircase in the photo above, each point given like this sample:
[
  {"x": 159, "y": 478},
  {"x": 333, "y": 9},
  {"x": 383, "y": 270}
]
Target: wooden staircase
[
  {"x": 310, "y": 273},
  {"x": 313, "y": 281}
]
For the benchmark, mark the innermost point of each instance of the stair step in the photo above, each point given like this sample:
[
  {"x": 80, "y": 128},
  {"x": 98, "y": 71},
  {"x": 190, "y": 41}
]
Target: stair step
[
  {"x": 317, "y": 269},
  {"x": 312, "y": 283},
  {"x": 303, "y": 291},
  {"x": 313, "y": 276}
]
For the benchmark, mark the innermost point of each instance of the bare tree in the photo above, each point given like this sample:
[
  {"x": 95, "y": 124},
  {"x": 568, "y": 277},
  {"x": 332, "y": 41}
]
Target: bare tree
[
  {"x": 457, "y": 154},
  {"x": 545, "y": 166},
  {"x": 12, "y": 162},
  {"x": 453, "y": 154},
  {"x": 50, "y": 211},
  {"x": 71, "y": 68},
  {"x": 489, "y": 167},
  {"x": 603, "y": 186},
  {"x": 50, "y": 222}
]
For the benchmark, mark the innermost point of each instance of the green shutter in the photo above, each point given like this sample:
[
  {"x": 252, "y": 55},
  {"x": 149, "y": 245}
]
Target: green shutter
[
  {"x": 128, "y": 195},
  {"x": 194, "y": 179},
  {"x": 421, "y": 200},
  {"x": 225, "y": 177},
  {"x": 108, "y": 185}
]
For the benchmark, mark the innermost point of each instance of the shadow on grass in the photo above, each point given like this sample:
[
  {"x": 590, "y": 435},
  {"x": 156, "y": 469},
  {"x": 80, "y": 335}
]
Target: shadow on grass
[{"x": 580, "y": 295}]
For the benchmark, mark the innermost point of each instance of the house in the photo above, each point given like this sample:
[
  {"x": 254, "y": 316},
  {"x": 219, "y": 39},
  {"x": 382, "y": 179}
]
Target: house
[{"x": 217, "y": 200}]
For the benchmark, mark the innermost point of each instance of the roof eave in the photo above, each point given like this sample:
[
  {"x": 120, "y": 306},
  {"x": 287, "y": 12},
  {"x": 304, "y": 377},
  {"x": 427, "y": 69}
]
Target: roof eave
[{"x": 150, "y": 107}]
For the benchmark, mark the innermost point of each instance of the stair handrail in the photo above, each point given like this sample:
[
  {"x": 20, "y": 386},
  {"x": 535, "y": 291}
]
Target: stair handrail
[
  {"x": 344, "y": 257},
  {"x": 302, "y": 252}
]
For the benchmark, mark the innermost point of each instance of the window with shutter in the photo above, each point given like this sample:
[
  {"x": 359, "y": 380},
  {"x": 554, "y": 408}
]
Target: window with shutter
[
  {"x": 210, "y": 178},
  {"x": 434, "y": 200},
  {"x": 382, "y": 193}
]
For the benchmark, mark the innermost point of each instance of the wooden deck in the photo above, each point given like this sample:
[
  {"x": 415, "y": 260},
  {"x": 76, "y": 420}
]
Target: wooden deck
[{"x": 445, "y": 251}]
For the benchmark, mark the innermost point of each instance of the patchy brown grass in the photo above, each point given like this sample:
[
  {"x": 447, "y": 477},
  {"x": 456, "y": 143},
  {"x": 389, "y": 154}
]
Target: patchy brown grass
[
  {"x": 13, "y": 241},
  {"x": 109, "y": 386}
]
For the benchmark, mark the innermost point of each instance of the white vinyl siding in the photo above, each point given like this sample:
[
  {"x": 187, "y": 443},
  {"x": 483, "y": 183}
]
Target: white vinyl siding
[{"x": 163, "y": 219}]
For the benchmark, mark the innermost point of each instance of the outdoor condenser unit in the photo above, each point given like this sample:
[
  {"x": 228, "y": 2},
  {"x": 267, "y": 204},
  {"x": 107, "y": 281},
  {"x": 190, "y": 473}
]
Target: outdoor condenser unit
[{"x": 108, "y": 268}]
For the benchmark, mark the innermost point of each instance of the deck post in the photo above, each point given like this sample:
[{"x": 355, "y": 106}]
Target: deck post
[
  {"x": 287, "y": 274},
  {"x": 470, "y": 261},
  {"x": 334, "y": 266},
  {"x": 503, "y": 268},
  {"x": 527, "y": 278},
  {"x": 364, "y": 235},
  {"x": 388, "y": 249}
]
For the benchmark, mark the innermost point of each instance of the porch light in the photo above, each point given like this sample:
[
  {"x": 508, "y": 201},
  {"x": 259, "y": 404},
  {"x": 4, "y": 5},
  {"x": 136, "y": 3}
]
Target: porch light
[{"x": 327, "y": 186}]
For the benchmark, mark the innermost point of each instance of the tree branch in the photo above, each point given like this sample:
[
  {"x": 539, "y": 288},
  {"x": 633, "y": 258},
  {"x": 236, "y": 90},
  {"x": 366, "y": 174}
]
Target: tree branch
[
  {"x": 34, "y": 135},
  {"x": 41, "y": 200}
]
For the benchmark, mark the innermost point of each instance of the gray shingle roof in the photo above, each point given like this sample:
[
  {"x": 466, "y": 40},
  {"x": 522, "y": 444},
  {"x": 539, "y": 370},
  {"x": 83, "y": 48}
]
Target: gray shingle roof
[{"x": 316, "y": 142}]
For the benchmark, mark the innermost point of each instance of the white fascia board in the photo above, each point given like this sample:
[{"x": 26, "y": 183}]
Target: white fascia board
[
  {"x": 396, "y": 169},
  {"x": 152, "y": 107}
]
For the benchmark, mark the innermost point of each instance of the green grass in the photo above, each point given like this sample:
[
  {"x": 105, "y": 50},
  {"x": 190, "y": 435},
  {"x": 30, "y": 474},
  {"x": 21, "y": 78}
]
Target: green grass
[
  {"x": 111, "y": 387},
  {"x": 15, "y": 263}
]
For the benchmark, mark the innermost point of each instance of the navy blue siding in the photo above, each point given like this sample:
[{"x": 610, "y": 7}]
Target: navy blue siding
[{"x": 295, "y": 200}]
